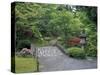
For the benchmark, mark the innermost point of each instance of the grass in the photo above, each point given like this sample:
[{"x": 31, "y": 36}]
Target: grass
[{"x": 25, "y": 65}]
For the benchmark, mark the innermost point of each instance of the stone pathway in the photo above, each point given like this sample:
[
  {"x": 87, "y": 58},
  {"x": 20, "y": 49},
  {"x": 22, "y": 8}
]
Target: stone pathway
[
  {"x": 49, "y": 51},
  {"x": 52, "y": 59}
]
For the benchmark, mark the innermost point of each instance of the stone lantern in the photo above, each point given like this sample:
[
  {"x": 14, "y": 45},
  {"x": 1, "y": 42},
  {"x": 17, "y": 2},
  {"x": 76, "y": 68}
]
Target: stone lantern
[{"x": 83, "y": 39}]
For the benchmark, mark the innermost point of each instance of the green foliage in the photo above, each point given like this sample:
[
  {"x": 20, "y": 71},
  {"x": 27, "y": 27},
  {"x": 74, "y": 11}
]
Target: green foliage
[
  {"x": 40, "y": 43},
  {"x": 23, "y": 44},
  {"x": 91, "y": 51},
  {"x": 76, "y": 52},
  {"x": 91, "y": 47},
  {"x": 36, "y": 21}
]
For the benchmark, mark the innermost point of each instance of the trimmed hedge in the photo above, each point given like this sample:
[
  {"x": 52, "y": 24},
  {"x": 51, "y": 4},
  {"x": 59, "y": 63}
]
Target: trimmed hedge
[{"x": 76, "y": 52}]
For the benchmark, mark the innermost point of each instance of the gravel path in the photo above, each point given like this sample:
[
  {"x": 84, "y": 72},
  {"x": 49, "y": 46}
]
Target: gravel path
[{"x": 52, "y": 59}]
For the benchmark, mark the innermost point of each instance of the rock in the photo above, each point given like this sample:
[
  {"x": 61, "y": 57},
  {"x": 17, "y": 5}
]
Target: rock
[{"x": 25, "y": 52}]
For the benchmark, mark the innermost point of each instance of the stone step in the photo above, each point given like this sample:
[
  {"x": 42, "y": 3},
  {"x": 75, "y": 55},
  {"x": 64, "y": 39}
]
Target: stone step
[{"x": 48, "y": 51}]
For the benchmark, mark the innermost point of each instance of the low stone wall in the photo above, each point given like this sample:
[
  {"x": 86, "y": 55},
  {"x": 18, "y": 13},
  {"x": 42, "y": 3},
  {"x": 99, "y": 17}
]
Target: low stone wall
[{"x": 61, "y": 48}]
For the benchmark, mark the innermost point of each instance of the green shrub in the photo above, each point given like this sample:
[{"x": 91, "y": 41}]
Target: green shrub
[
  {"x": 23, "y": 44},
  {"x": 76, "y": 52},
  {"x": 91, "y": 50}
]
